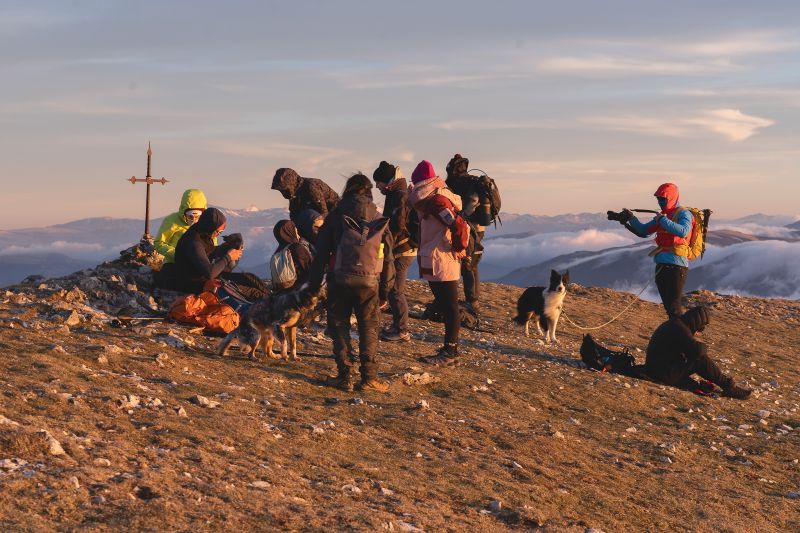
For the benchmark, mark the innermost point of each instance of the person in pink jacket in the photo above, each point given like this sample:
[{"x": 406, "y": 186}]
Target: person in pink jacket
[{"x": 444, "y": 236}]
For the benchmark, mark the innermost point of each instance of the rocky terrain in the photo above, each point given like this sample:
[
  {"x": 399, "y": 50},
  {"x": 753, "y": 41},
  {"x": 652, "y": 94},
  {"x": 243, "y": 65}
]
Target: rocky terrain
[{"x": 116, "y": 424}]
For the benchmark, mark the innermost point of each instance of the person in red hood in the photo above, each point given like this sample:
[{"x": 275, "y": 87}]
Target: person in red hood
[{"x": 673, "y": 227}]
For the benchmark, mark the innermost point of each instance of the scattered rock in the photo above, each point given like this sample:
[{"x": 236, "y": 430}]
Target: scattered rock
[
  {"x": 422, "y": 404},
  {"x": 54, "y": 447},
  {"x": 202, "y": 401},
  {"x": 101, "y": 461},
  {"x": 351, "y": 488},
  {"x": 356, "y": 401},
  {"x": 495, "y": 506},
  {"x": 418, "y": 379},
  {"x": 74, "y": 482},
  {"x": 129, "y": 401},
  {"x": 102, "y": 359},
  {"x": 261, "y": 485},
  {"x": 180, "y": 411}
]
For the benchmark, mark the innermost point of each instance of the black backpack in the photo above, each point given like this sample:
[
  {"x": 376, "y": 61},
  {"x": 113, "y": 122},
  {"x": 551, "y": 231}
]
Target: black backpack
[
  {"x": 489, "y": 203},
  {"x": 602, "y": 359},
  {"x": 359, "y": 255}
]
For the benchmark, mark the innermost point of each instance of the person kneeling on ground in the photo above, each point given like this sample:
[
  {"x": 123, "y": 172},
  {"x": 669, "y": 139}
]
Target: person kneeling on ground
[
  {"x": 352, "y": 257},
  {"x": 444, "y": 237},
  {"x": 290, "y": 263},
  {"x": 674, "y": 354},
  {"x": 197, "y": 259}
]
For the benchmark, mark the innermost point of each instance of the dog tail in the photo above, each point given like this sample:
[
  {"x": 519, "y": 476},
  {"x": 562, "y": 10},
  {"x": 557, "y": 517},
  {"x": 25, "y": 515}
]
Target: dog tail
[{"x": 226, "y": 342}]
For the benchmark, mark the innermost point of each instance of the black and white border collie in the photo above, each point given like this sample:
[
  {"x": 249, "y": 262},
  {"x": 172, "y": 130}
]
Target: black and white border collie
[{"x": 542, "y": 305}]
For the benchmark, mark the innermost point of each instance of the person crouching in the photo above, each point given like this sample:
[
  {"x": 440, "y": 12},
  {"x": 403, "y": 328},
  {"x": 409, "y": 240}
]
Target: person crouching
[{"x": 674, "y": 354}]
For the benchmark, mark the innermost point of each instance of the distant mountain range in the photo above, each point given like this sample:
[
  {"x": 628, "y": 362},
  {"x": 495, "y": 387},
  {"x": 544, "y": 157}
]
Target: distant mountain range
[{"x": 520, "y": 250}]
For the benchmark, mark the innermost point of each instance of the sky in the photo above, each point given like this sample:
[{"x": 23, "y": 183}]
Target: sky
[{"x": 570, "y": 106}]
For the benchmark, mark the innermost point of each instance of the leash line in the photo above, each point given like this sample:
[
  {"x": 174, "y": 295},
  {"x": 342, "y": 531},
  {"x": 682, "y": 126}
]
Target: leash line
[{"x": 635, "y": 299}]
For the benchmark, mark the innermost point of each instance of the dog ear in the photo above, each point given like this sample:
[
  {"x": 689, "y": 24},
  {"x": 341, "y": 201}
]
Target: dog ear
[{"x": 565, "y": 278}]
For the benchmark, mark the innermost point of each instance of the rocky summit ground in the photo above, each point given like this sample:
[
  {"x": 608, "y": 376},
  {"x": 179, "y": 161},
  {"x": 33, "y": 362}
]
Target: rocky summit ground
[{"x": 145, "y": 428}]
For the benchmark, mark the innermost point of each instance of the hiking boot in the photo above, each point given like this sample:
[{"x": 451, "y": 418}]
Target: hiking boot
[
  {"x": 736, "y": 392},
  {"x": 447, "y": 355},
  {"x": 375, "y": 385},
  {"x": 474, "y": 306},
  {"x": 343, "y": 381},
  {"x": 393, "y": 335}
]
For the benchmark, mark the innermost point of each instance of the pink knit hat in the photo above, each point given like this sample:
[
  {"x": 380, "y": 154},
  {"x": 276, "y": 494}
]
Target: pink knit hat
[{"x": 424, "y": 171}]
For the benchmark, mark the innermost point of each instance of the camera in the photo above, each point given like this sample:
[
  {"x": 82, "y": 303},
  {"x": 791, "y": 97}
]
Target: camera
[{"x": 622, "y": 217}]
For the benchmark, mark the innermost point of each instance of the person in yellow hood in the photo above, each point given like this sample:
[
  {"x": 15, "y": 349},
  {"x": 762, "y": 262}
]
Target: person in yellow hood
[{"x": 193, "y": 203}]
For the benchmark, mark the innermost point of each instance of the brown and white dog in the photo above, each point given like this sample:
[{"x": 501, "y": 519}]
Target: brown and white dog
[
  {"x": 542, "y": 305},
  {"x": 277, "y": 313}
]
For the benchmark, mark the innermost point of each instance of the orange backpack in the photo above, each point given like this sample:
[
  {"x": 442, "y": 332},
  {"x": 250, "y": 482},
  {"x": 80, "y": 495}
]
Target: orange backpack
[{"x": 206, "y": 310}]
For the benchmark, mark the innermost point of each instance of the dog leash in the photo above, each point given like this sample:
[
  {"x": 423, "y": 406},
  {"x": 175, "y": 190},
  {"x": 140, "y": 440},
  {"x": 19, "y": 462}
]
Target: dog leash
[{"x": 636, "y": 298}]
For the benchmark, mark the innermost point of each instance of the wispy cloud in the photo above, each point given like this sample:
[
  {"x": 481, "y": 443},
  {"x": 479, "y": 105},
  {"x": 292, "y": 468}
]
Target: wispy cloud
[
  {"x": 740, "y": 44},
  {"x": 488, "y": 124},
  {"x": 731, "y": 124},
  {"x": 307, "y": 157},
  {"x": 606, "y": 65}
]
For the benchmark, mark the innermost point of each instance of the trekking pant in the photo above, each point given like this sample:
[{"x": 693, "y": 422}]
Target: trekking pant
[
  {"x": 397, "y": 292},
  {"x": 670, "y": 280},
  {"x": 469, "y": 271},
  {"x": 445, "y": 294},
  {"x": 342, "y": 303},
  {"x": 678, "y": 375}
]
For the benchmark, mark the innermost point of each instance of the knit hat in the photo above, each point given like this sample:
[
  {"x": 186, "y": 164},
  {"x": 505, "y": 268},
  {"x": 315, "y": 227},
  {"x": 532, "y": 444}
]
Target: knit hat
[
  {"x": 424, "y": 171},
  {"x": 385, "y": 173}
]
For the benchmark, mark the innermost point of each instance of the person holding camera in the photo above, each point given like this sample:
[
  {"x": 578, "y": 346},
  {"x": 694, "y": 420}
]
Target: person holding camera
[{"x": 672, "y": 226}]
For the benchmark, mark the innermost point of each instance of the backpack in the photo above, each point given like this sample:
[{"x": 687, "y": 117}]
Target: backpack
[
  {"x": 206, "y": 310},
  {"x": 602, "y": 359},
  {"x": 697, "y": 237},
  {"x": 281, "y": 266},
  {"x": 412, "y": 227},
  {"x": 467, "y": 317},
  {"x": 488, "y": 209},
  {"x": 359, "y": 255}
]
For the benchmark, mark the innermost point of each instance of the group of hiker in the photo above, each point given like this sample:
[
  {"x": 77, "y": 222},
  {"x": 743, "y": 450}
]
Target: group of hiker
[{"x": 363, "y": 257}]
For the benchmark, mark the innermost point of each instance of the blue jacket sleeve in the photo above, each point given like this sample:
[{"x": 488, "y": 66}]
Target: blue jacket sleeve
[
  {"x": 646, "y": 228},
  {"x": 682, "y": 227}
]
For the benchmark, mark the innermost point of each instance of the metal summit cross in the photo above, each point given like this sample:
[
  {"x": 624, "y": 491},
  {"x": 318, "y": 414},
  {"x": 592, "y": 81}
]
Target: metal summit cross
[{"x": 149, "y": 181}]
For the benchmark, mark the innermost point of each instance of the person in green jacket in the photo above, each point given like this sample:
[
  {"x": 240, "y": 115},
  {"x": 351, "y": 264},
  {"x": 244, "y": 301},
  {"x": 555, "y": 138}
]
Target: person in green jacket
[{"x": 193, "y": 203}]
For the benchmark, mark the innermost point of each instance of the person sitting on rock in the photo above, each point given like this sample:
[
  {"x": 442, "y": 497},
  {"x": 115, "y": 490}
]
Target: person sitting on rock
[
  {"x": 304, "y": 193},
  {"x": 674, "y": 354},
  {"x": 172, "y": 228},
  {"x": 196, "y": 261}
]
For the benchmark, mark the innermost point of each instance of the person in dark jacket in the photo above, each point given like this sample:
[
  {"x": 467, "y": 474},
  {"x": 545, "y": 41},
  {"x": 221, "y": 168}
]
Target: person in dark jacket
[
  {"x": 288, "y": 239},
  {"x": 460, "y": 182},
  {"x": 308, "y": 223},
  {"x": 390, "y": 182},
  {"x": 304, "y": 193},
  {"x": 357, "y": 204},
  {"x": 196, "y": 262},
  {"x": 674, "y": 354}
]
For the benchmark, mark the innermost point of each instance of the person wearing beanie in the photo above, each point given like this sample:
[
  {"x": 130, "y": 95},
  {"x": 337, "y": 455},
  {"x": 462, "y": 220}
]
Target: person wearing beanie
[
  {"x": 304, "y": 193},
  {"x": 674, "y": 354},
  {"x": 444, "y": 236},
  {"x": 355, "y": 207},
  {"x": 390, "y": 181},
  {"x": 460, "y": 182}
]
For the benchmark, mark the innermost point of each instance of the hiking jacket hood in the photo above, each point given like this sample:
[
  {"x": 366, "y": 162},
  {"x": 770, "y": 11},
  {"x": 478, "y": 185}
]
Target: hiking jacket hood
[
  {"x": 304, "y": 221},
  {"x": 285, "y": 233},
  {"x": 174, "y": 226},
  {"x": 304, "y": 193},
  {"x": 670, "y": 192}
]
